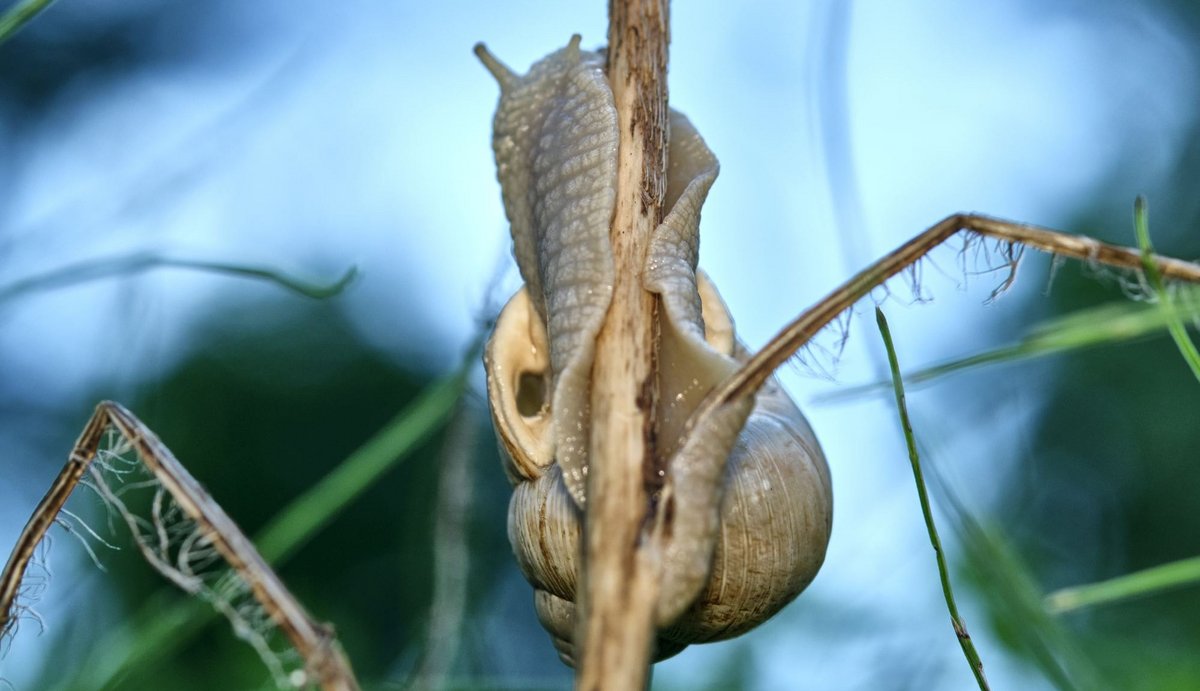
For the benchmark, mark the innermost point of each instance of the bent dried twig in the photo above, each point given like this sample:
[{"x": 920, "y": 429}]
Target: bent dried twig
[{"x": 187, "y": 533}]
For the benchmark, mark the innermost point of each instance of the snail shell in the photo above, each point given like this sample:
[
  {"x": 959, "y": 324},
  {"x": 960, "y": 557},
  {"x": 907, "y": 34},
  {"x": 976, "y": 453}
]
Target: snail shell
[
  {"x": 746, "y": 501},
  {"x": 774, "y": 516}
]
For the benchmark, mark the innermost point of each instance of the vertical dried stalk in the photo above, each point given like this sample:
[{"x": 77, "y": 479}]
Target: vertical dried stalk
[{"x": 621, "y": 569}]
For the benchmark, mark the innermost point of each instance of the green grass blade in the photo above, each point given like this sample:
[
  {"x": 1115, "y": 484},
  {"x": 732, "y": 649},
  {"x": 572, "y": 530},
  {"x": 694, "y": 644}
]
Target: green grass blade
[
  {"x": 163, "y": 623},
  {"x": 960, "y": 627},
  {"x": 317, "y": 291},
  {"x": 311, "y": 511},
  {"x": 1013, "y": 598},
  {"x": 19, "y": 15},
  {"x": 1175, "y": 326},
  {"x": 139, "y": 262},
  {"x": 157, "y": 630},
  {"x": 1086, "y": 328},
  {"x": 1149, "y": 581}
]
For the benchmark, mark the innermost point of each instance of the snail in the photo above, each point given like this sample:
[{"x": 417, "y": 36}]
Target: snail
[{"x": 746, "y": 488}]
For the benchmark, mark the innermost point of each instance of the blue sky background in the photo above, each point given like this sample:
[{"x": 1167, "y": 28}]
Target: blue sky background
[{"x": 314, "y": 136}]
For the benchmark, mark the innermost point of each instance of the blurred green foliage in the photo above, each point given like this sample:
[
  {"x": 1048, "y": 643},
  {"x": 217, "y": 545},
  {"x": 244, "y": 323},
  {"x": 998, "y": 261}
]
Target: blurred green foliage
[
  {"x": 270, "y": 397},
  {"x": 261, "y": 414},
  {"x": 1081, "y": 489}
]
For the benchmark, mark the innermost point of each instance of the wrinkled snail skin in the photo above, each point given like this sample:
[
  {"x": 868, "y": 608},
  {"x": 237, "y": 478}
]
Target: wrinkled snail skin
[
  {"x": 555, "y": 139},
  {"x": 746, "y": 503}
]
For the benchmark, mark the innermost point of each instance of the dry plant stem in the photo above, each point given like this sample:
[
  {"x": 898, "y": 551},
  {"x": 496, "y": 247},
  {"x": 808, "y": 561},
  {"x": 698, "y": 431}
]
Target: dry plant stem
[
  {"x": 621, "y": 565},
  {"x": 44, "y": 516},
  {"x": 315, "y": 642},
  {"x": 960, "y": 627},
  {"x": 793, "y": 336}
]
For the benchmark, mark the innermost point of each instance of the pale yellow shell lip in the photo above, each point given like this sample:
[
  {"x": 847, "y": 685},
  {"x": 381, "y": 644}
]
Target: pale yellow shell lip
[
  {"x": 517, "y": 354},
  {"x": 718, "y": 323}
]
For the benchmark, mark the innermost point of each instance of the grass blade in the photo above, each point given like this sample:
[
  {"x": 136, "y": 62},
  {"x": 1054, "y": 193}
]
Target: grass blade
[
  {"x": 308, "y": 513},
  {"x": 1015, "y": 600},
  {"x": 19, "y": 15},
  {"x": 1175, "y": 326},
  {"x": 1086, "y": 328},
  {"x": 139, "y": 262},
  {"x": 960, "y": 627},
  {"x": 157, "y": 630},
  {"x": 1149, "y": 581}
]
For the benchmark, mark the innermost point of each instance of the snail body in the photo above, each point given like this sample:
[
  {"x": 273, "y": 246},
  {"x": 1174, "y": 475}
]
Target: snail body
[{"x": 745, "y": 499}]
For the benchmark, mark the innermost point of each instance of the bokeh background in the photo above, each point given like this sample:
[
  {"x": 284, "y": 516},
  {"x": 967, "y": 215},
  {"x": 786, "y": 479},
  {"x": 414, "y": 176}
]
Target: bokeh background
[{"x": 312, "y": 137}]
